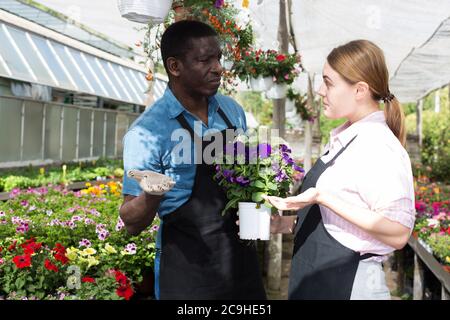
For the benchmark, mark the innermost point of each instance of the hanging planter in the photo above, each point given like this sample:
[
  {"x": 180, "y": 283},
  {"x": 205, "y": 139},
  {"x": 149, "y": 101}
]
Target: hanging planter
[
  {"x": 254, "y": 223},
  {"x": 145, "y": 11},
  {"x": 261, "y": 83},
  {"x": 278, "y": 91},
  {"x": 290, "y": 105}
]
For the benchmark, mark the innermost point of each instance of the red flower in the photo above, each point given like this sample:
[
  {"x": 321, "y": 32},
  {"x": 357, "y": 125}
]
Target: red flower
[
  {"x": 12, "y": 246},
  {"x": 88, "y": 279},
  {"x": 31, "y": 247},
  {"x": 50, "y": 266},
  {"x": 125, "y": 292},
  {"x": 60, "y": 253},
  {"x": 22, "y": 261},
  {"x": 280, "y": 57},
  {"x": 121, "y": 278},
  {"x": 61, "y": 258}
]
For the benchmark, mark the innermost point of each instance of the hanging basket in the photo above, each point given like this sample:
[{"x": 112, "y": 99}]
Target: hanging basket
[
  {"x": 145, "y": 11},
  {"x": 278, "y": 91},
  {"x": 260, "y": 83},
  {"x": 254, "y": 223}
]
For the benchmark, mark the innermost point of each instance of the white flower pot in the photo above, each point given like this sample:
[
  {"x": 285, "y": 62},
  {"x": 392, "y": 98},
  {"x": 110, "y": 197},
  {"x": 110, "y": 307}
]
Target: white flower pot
[
  {"x": 145, "y": 11},
  {"x": 260, "y": 83},
  {"x": 278, "y": 91},
  {"x": 227, "y": 64},
  {"x": 290, "y": 106},
  {"x": 254, "y": 223}
]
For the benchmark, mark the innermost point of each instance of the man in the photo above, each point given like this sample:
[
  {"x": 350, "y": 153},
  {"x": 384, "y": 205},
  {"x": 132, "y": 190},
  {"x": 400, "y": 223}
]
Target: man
[{"x": 199, "y": 254}]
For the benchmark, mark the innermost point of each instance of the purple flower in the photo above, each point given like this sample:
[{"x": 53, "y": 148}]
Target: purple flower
[
  {"x": 219, "y": 3},
  {"x": 14, "y": 193},
  {"x": 85, "y": 243},
  {"x": 76, "y": 218},
  {"x": 119, "y": 224},
  {"x": 49, "y": 212},
  {"x": 22, "y": 228},
  {"x": 284, "y": 148},
  {"x": 32, "y": 208},
  {"x": 2, "y": 214},
  {"x": 281, "y": 176},
  {"x": 297, "y": 168},
  {"x": 55, "y": 222},
  {"x": 131, "y": 248},
  {"x": 102, "y": 235},
  {"x": 154, "y": 228},
  {"x": 88, "y": 221},
  {"x": 242, "y": 181},
  {"x": 24, "y": 203},
  {"x": 264, "y": 150},
  {"x": 71, "y": 224}
]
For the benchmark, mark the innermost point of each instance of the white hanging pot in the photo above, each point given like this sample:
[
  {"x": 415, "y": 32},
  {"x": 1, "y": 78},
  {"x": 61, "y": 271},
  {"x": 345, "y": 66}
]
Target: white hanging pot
[
  {"x": 227, "y": 64},
  {"x": 254, "y": 223},
  {"x": 261, "y": 83},
  {"x": 278, "y": 91},
  {"x": 145, "y": 11},
  {"x": 290, "y": 106}
]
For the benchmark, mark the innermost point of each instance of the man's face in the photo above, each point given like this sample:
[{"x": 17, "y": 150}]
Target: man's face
[{"x": 200, "y": 70}]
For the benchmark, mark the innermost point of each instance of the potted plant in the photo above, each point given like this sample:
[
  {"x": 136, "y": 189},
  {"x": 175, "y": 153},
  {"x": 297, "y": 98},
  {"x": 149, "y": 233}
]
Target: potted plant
[
  {"x": 249, "y": 169},
  {"x": 284, "y": 69},
  {"x": 145, "y": 11}
]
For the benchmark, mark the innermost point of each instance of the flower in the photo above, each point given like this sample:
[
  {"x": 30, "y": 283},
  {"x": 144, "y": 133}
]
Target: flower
[
  {"x": 130, "y": 249},
  {"x": 267, "y": 169},
  {"x": 88, "y": 252},
  {"x": 85, "y": 243},
  {"x": 22, "y": 261},
  {"x": 50, "y": 266},
  {"x": 87, "y": 279},
  {"x": 125, "y": 292},
  {"x": 109, "y": 248}
]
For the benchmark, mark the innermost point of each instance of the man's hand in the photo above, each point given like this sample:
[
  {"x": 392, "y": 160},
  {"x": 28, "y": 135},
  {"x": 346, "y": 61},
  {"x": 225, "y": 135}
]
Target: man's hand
[{"x": 152, "y": 182}]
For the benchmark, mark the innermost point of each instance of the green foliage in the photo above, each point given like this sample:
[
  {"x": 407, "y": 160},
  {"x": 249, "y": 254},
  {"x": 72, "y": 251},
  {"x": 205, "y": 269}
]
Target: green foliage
[{"x": 436, "y": 144}]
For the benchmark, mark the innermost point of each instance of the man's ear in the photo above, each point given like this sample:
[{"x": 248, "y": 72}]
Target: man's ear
[
  {"x": 362, "y": 90},
  {"x": 173, "y": 66}
]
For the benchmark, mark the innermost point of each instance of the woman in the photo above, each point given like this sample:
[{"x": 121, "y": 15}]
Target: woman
[{"x": 357, "y": 202}]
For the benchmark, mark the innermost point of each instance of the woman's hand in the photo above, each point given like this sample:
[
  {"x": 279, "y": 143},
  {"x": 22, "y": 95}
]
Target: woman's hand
[{"x": 294, "y": 203}]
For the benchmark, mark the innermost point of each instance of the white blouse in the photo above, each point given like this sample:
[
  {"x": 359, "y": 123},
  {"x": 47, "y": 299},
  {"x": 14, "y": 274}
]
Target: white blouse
[{"x": 374, "y": 173}]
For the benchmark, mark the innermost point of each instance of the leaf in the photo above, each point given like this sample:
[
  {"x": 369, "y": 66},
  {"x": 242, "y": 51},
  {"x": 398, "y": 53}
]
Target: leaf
[
  {"x": 272, "y": 186},
  {"x": 259, "y": 184},
  {"x": 257, "y": 196},
  {"x": 229, "y": 205},
  {"x": 20, "y": 282}
]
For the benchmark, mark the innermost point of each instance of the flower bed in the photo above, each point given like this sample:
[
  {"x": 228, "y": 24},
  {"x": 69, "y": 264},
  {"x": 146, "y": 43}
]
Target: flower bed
[
  {"x": 432, "y": 228},
  {"x": 56, "y": 244},
  {"x": 36, "y": 177}
]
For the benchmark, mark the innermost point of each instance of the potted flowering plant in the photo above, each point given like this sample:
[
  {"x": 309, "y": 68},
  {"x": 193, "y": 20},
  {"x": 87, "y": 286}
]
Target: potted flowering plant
[
  {"x": 284, "y": 69},
  {"x": 145, "y": 11},
  {"x": 248, "y": 170}
]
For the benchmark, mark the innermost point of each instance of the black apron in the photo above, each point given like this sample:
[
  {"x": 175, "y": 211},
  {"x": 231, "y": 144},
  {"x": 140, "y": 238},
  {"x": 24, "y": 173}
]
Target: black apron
[
  {"x": 202, "y": 256},
  {"x": 322, "y": 268}
]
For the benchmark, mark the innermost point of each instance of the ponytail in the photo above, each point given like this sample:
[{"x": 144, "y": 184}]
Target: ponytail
[{"x": 395, "y": 119}]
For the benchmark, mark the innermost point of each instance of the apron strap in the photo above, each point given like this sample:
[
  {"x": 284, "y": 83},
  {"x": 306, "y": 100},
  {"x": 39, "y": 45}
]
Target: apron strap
[
  {"x": 340, "y": 151},
  {"x": 183, "y": 122},
  {"x": 225, "y": 118}
]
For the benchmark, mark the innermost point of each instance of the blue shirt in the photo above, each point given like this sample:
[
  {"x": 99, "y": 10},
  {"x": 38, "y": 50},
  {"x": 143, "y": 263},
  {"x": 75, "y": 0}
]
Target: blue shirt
[{"x": 149, "y": 145}]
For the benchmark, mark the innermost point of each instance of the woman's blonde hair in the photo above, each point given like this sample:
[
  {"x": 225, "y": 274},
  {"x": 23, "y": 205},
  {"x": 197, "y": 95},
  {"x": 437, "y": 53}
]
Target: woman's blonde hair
[{"x": 362, "y": 60}]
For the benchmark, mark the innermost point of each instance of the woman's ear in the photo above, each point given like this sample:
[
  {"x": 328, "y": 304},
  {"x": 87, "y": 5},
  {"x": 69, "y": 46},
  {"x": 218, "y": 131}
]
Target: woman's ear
[
  {"x": 362, "y": 90},
  {"x": 173, "y": 66}
]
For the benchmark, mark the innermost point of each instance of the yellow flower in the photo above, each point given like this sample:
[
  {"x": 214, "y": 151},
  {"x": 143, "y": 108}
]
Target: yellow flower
[
  {"x": 88, "y": 252},
  {"x": 436, "y": 190},
  {"x": 88, "y": 184},
  {"x": 92, "y": 262},
  {"x": 245, "y": 3},
  {"x": 72, "y": 253},
  {"x": 41, "y": 171},
  {"x": 423, "y": 189},
  {"x": 110, "y": 249},
  {"x": 447, "y": 259},
  {"x": 102, "y": 186}
]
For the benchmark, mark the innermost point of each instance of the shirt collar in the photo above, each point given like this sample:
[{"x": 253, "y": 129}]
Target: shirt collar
[
  {"x": 344, "y": 133},
  {"x": 176, "y": 108}
]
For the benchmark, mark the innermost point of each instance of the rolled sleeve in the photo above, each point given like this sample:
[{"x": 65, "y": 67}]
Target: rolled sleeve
[{"x": 141, "y": 152}]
